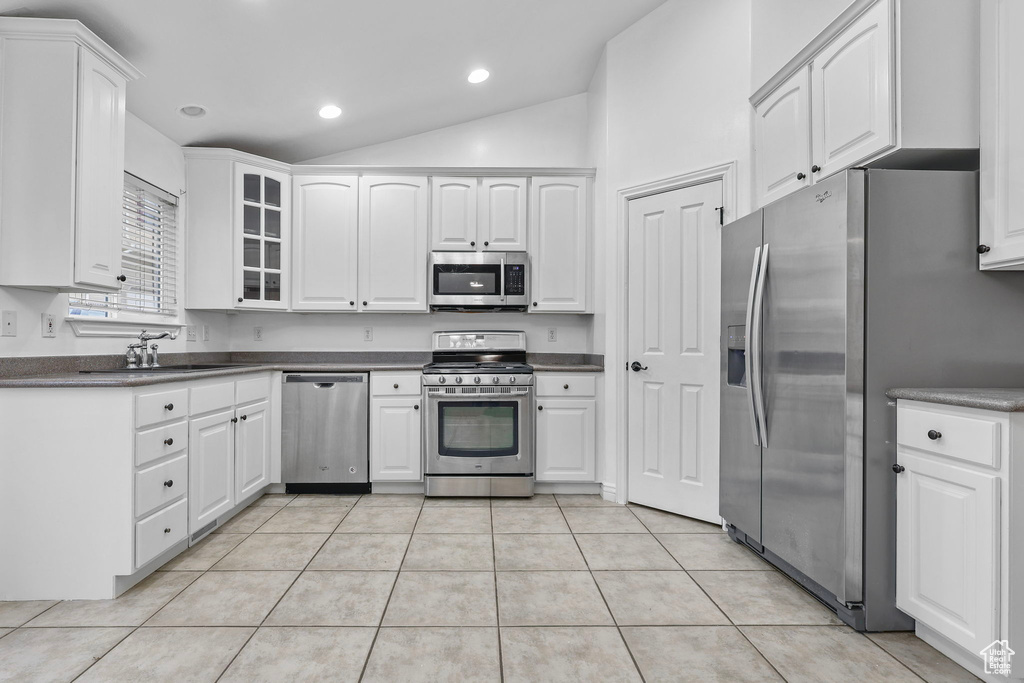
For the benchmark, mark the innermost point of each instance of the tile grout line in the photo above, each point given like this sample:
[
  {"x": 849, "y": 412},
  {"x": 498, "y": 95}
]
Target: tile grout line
[
  {"x": 284, "y": 593},
  {"x": 497, "y": 607},
  {"x": 618, "y": 629},
  {"x": 394, "y": 584}
]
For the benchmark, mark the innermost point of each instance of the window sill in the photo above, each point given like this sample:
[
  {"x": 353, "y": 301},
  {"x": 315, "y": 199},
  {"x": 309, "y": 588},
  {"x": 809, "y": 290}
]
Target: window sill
[{"x": 103, "y": 327}]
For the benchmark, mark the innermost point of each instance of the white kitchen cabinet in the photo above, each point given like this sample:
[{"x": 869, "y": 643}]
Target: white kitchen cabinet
[
  {"x": 393, "y": 243},
  {"x": 1002, "y": 137},
  {"x": 958, "y": 549},
  {"x": 238, "y": 231},
  {"x": 478, "y": 214},
  {"x": 396, "y": 452},
  {"x": 453, "y": 214},
  {"x": 865, "y": 92},
  {"x": 559, "y": 244},
  {"x": 325, "y": 243},
  {"x": 566, "y": 427},
  {"x": 252, "y": 449},
  {"x": 782, "y": 130},
  {"x": 62, "y": 121},
  {"x": 211, "y": 467}
]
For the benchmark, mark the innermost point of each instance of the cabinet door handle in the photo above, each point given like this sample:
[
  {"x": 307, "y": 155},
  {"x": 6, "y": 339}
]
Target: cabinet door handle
[
  {"x": 168, "y": 441},
  {"x": 351, "y": 303},
  {"x": 239, "y": 299},
  {"x": 565, "y": 386},
  {"x": 121, "y": 278},
  {"x": 540, "y": 407},
  {"x": 898, "y": 468},
  {"x": 415, "y": 407},
  {"x": 169, "y": 483},
  {"x": 800, "y": 176},
  {"x": 234, "y": 420},
  {"x": 984, "y": 248},
  {"x": 487, "y": 244},
  {"x": 815, "y": 168},
  {"x": 245, "y": 417},
  {"x": 534, "y": 303},
  {"x": 169, "y": 406},
  {"x": 472, "y": 244},
  {"x": 167, "y": 530},
  {"x": 934, "y": 435},
  {"x": 364, "y": 303}
]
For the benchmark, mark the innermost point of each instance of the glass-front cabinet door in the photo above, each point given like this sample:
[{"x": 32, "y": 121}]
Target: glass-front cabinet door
[{"x": 263, "y": 221}]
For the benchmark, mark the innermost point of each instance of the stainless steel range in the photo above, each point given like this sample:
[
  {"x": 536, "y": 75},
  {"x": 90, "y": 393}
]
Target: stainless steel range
[{"x": 479, "y": 433}]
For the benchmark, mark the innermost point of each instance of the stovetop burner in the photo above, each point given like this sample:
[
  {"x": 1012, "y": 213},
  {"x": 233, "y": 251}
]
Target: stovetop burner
[{"x": 494, "y": 367}]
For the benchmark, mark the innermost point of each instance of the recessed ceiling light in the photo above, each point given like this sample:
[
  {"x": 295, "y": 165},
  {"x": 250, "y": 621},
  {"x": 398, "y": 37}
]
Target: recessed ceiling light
[
  {"x": 192, "y": 111},
  {"x": 330, "y": 111},
  {"x": 479, "y": 76}
]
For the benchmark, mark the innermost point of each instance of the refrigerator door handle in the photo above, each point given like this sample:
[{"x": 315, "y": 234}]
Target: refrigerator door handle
[
  {"x": 755, "y": 335},
  {"x": 748, "y": 357}
]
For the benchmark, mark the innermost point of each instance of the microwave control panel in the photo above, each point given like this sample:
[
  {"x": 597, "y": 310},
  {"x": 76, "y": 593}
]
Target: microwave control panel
[{"x": 515, "y": 279}]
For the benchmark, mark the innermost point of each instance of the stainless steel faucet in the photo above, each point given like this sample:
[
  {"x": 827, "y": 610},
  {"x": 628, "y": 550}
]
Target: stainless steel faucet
[{"x": 141, "y": 351}]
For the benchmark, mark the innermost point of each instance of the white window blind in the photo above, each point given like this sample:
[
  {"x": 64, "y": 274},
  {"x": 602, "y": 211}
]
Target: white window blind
[{"x": 149, "y": 232}]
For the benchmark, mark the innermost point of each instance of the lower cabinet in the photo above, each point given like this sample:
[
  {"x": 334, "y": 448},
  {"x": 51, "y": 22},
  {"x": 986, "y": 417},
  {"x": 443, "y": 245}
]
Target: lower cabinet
[
  {"x": 211, "y": 470},
  {"x": 566, "y": 427},
  {"x": 954, "y": 535},
  {"x": 252, "y": 449},
  {"x": 396, "y": 450}
]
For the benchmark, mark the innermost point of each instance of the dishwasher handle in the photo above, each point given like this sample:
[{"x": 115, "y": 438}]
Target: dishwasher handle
[
  {"x": 323, "y": 381},
  {"x": 323, "y": 385}
]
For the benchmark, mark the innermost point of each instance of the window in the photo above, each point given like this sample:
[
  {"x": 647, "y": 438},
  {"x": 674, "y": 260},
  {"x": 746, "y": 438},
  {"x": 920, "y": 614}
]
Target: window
[{"x": 149, "y": 234}]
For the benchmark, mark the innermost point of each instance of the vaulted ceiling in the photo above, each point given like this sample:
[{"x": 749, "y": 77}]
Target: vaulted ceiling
[{"x": 263, "y": 68}]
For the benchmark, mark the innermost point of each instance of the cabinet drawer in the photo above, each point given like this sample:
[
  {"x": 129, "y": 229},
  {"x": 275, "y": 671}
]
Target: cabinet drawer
[
  {"x": 160, "y": 406},
  {"x": 160, "y": 484},
  {"x": 406, "y": 384},
  {"x": 159, "y": 532},
  {"x": 577, "y": 384},
  {"x": 251, "y": 390},
  {"x": 972, "y": 438},
  {"x": 211, "y": 397},
  {"x": 156, "y": 443}
]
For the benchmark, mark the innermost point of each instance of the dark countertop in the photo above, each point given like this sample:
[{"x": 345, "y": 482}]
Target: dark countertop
[
  {"x": 68, "y": 376},
  {"x": 1002, "y": 400}
]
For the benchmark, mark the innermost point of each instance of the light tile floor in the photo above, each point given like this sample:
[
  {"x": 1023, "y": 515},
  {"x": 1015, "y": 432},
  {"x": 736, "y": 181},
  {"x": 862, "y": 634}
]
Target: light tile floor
[{"x": 395, "y": 588}]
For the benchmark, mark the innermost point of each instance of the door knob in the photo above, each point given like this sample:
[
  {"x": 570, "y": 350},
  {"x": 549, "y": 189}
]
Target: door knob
[
  {"x": 898, "y": 468},
  {"x": 636, "y": 367}
]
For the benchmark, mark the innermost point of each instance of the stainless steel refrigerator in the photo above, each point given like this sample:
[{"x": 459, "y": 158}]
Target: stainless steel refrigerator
[{"x": 865, "y": 281}]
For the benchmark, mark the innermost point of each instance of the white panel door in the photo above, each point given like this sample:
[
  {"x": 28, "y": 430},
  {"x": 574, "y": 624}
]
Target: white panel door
[
  {"x": 782, "y": 136},
  {"x": 947, "y": 549},
  {"x": 453, "y": 214},
  {"x": 393, "y": 243},
  {"x": 99, "y": 173},
  {"x": 674, "y": 312},
  {"x": 325, "y": 252},
  {"x": 853, "y": 100},
  {"x": 252, "y": 449},
  {"x": 565, "y": 439},
  {"x": 395, "y": 443},
  {"x": 559, "y": 244},
  {"x": 211, "y": 467},
  {"x": 502, "y": 214}
]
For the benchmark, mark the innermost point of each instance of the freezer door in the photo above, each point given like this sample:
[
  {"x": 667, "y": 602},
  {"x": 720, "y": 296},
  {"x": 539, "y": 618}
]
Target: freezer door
[
  {"x": 740, "y": 468},
  {"x": 813, "y": 334}
]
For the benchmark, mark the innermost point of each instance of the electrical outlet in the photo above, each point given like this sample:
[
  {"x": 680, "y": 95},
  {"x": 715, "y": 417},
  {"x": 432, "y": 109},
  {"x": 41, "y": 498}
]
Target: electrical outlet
[
  {"x": 367, "y": 334},
  {"x": 49, "y": 321},
  {"x": 257, "y": 333},
  {"x": 206, "y": 333},
  {"x": 9, "y": 322},
  {"x": 190, "y": 333},
  {"x": 552, "y": 334}
]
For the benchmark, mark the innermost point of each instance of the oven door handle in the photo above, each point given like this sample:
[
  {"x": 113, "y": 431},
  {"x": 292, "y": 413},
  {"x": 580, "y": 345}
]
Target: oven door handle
[{"x": 501, "y": 293}]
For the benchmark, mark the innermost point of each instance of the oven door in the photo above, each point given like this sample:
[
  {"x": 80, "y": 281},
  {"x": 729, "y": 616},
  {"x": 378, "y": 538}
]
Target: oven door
[{"x": 479, "y": 430}]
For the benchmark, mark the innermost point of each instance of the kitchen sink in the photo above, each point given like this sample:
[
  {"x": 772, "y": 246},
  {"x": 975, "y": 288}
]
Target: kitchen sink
[{"x": 189, "y": 367}]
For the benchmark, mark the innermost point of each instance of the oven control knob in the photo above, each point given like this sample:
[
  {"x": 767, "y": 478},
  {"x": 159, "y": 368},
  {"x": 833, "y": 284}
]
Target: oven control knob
[
  {"x": 441, "y": 380},
  {"x": 458, "y": 380},
  {"x": 495, "y": 379},
  {"x": 476, "y": 380},
  {"x": 512, "y": 379}
]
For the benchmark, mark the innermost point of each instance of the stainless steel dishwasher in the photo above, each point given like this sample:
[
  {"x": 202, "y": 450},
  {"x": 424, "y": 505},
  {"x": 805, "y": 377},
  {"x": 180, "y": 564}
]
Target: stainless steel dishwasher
[{"x": 325, "y": 432}]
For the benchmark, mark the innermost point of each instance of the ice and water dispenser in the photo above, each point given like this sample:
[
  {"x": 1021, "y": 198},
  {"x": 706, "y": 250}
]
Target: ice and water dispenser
[{"x": 737, "y": 360}]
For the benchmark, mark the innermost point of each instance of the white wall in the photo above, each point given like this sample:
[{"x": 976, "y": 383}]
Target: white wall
[
  {"x": 158, "y": 160},
  {"x": 548, "y": 134},
  {"x": 675, "y": 97},
  {"x": 781, "y": 28}
]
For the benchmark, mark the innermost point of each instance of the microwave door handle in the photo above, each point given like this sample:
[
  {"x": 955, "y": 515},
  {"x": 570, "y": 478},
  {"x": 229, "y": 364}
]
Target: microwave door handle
[
  {"x": 758, "y": 325},
  {"x": 501, "y": 294},
  {"x": 751, "y": 348}
]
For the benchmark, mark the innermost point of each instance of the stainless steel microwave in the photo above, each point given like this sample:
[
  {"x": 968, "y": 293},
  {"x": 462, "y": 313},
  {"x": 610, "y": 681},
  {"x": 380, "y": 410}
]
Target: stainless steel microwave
[{"x": 468, "y": 281}]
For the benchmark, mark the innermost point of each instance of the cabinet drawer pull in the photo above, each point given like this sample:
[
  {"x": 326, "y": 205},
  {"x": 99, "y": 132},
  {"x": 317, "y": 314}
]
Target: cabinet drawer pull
[
  {"x": 364, "y": 303},
  {"x": 396, "y": 386},
  {"x": 234, "y": 420},
  {"x": 800, "y": 176},
  {"x": 168, "y": 441},
  {"x": 169, "y": 406},
  {"x": 472, "y": 244},
  {"x": 934, "y": 435},
  {"x": 239, "y": 299},
  {"x": 169, "y": 483},
  {"x": 167, "y": 530},
  {"x": 351, "y": 303},
  {"x": 565, "y": 386},
  {"x": 487, "y": 244}
]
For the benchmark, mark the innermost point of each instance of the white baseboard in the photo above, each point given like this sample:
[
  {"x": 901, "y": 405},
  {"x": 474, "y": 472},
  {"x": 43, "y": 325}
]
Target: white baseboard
[
  {"x": 968, "y": 660},
  {"x": 608, "y": 492},
  {"x": 397, "y": 487},
  {"x": 566, "y": 487}
]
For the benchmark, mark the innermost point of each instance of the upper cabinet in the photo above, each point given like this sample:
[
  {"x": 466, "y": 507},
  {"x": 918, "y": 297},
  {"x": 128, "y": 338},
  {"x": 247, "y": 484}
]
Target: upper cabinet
[
  {"x": 62, "y": 119},
  {"x": 325, "y": 243},
  {"x": 478, "y": 214},
  {"x": 393, "y": 243},
  {"x": 1001, "y": 243},
  {"x": 842, "y": 101},
  {"x": 239, "y": 231},
  {"x": 560, "y": 244}
]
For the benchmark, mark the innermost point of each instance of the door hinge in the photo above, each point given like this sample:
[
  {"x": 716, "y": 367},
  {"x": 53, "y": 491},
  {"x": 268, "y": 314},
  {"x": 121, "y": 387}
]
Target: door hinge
[{"x": 721, "y": 214}]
